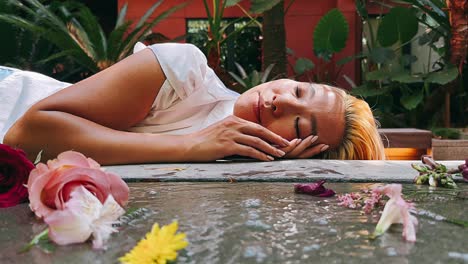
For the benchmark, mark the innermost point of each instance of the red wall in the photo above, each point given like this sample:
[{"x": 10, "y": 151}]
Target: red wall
[{"x": 300, "y": 22}]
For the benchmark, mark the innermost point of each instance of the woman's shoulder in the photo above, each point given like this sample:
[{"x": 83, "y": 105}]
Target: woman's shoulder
[{"x": 174, "y": 51}]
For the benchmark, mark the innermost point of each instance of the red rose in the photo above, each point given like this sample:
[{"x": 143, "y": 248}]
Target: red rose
[{"x": 14, "y": 172}]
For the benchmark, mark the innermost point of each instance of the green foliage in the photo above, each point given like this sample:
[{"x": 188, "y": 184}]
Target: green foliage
[
  {"x": 411, "y": 98},
  {"x": 401, "y": 95},
  {"x": 443, "y": 77},
  {"x": 252, "y": 79},
  {"x": 302, "y": 65},
  {"x": 330, "y": 34},
  {"x": 446, "y": 133},
  {"x": 400, "y": 25},
  {"x": 329, "y": 37},
  {"x": 76, "y": 32},
  {"x": 256, "y": 6}
]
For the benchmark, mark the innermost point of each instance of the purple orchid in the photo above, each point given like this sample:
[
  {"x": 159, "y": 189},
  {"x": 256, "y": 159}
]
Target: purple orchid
[
  {"x": 315, "y": 189},
  {"x": 464, "y": 170}
]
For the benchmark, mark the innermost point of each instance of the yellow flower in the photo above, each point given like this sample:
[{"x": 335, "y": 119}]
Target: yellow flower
[{"x": 159, "y": 246}]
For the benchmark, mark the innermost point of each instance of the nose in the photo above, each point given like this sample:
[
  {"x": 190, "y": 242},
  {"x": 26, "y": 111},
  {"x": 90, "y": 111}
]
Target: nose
[{"x": 283, "y": 104}]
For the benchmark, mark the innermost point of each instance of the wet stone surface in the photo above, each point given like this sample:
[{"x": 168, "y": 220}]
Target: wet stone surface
[
  {"x": 278, "y": 171},
  {"x": 248, "y": 222}
]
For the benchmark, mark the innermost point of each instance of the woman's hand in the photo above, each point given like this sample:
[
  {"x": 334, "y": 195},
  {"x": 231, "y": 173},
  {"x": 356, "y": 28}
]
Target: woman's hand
[
  {"x": 234, "y": 136},
  {"x": 304, "y": 149}
]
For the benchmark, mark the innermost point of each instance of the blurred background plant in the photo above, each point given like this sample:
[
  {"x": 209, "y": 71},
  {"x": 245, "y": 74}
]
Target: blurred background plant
[
  {"x": 408, "y": 68},
  {"x": 252, "y": 79},
  {"x": 227, "y": 42},
  {"x": 68, "y": 42},
  {"x": 330, "y": 37}
]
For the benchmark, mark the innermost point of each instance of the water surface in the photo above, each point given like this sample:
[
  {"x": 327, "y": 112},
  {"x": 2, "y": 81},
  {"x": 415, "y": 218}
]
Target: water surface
[{"x": 260, "y": 223}]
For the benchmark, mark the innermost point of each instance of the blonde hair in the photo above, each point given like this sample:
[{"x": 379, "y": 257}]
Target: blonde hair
[{"x": 361, "y": 140}]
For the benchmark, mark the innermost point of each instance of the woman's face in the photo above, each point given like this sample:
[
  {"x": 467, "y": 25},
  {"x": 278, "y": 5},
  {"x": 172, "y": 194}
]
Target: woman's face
[{"x": 294, "y": 109}]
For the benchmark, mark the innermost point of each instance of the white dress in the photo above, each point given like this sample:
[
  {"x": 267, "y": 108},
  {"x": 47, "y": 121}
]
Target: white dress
[{"x": 191, "y": 98}]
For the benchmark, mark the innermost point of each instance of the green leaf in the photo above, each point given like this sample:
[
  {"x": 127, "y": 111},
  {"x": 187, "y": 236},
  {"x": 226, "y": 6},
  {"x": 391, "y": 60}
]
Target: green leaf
[
  {"x": 241, "y": 70},
  {"x": 121, "y": 16},
  {"x": 399, "y": 25},
  {"x": 260, "y": 6},
  {"x": 443, "y": 77},
  {"x": 406, "y": 77},
  {"x": 412, "y": 100},
  {"x": 381, "y": 55},
  {"x": 303, "y": 65},
  {"x": 230, "y": 3},
  {"x": 38, "y": 158},
  {"x": 377, "y": 75},
  {"x": 331, "y": 33},
  {"x": 148, "y": 13},
  {"x": 407, "y": 59},
  {"x": 289, "y": 51},
  {"x": 238, "y": 79},
  {"x": 266, "y": 73},
  {"x": 361, "y": 9},
  {"x": 365, "y": 91}
]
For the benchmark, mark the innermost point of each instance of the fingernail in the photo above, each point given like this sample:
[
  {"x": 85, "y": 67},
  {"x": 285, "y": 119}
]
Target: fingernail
[
  {"x": 285, "y": 143},
  {"x": 325, "y": 147},
  {"x": 270, "y": 158},
  {"x": 314, "y": 138},
  {"x": 280, "y": 152},
  {"x": 298, "y": 140}
]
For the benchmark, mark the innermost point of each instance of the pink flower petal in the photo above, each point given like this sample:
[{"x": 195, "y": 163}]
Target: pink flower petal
[
  {"x": 315, "y": 189},
  {"x": 66, "y": 227},
  {"x": 396, "y": 210}
]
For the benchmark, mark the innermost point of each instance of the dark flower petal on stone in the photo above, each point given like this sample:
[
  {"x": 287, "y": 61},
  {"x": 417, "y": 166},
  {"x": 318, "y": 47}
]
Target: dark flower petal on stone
[
  {"x": 315, "y": 189},
  {"x": 327, "y": 193}
]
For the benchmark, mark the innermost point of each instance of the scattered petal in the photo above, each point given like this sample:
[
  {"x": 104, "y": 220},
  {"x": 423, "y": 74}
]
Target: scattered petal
[
  {"x": 315, "y": 189},
  {"x": 396, "y": 211}
]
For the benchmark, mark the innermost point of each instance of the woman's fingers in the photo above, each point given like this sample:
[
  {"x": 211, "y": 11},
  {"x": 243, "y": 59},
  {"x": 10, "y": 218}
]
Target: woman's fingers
[
  {"x": 312, "y": 151},
  {"x": 259, "y": 144},
  {"x": 302, "y": 146},
  {"x": 257, "y": 130},
  {"x": 248, "y": 151},
  {"x": 292, "y": 144}
]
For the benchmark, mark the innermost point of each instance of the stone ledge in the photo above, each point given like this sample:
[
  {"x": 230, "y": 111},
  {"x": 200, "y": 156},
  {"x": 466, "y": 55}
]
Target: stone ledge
[{"x": 276, "y": 171}]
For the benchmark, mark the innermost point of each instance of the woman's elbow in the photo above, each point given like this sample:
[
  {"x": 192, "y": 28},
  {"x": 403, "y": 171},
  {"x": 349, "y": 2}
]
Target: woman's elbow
[{"x": 20, "y": 135}]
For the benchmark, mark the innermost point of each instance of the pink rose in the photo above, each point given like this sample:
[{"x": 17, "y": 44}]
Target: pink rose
[
  {"x": 14, "y": 171},
  {"x": 50, "y": 186}
]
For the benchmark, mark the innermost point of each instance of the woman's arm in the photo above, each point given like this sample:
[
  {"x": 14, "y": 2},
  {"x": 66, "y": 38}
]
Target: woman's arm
[{"x": 92, "y": 116}]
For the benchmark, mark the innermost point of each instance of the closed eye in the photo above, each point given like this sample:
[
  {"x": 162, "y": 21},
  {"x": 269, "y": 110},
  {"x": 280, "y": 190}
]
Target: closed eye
[
  {"x": 298, "y": 92},
  {"x": 296, "y": 126}
]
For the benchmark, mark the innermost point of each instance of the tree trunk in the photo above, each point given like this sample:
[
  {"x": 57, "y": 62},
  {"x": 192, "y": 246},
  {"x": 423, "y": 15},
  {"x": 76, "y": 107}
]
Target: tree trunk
[
  {"x": 274, "y": 41},
  {"x": 458, "y": 15}
]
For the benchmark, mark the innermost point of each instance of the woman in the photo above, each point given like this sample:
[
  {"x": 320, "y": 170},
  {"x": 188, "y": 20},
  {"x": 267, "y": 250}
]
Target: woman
[{"x": 164, "y": 104}]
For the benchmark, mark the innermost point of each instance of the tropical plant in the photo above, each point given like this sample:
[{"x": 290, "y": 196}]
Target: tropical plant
[
  {"x": 217, "y": 31},
  {"x": 388, "y": 76},
  {"x": 76, "y": 32},
  {"x": 274, "y": 37},
  {"x": 330, "y": 36},
  {"x": 252, "y": 79}
]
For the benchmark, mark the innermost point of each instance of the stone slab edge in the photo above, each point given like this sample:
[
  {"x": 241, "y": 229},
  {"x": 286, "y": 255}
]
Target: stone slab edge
[{"x": 277, "y": 171}]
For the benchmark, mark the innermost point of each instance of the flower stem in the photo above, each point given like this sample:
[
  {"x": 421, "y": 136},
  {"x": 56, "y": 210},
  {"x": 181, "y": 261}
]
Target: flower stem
[{"x": 44, "y": 234}]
